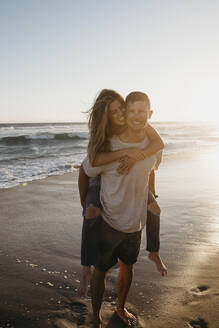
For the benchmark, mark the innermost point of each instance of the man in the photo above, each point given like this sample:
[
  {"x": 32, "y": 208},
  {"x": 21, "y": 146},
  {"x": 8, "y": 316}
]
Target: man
[{"x": 124, "y": 202}]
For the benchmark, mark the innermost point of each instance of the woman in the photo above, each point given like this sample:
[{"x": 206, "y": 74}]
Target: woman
[{"x": 107, "y": 118}]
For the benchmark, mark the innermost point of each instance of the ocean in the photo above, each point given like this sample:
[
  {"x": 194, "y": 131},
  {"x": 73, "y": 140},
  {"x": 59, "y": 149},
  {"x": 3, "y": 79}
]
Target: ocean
[{"x": 34, "y": 151}]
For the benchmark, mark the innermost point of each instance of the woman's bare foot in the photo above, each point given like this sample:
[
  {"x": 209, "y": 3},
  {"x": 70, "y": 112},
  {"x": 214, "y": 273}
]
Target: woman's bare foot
[
  {"x": 127, "y": 317},
  {"x": 161, "y": 267},
  {"x": 85, "y": 280}
]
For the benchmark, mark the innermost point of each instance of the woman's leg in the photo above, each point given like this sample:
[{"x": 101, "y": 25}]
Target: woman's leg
[
  {"x": 84, "y": 281},
  {"x": 90, "y": 236},
  {"x": 153, "y": 233}
]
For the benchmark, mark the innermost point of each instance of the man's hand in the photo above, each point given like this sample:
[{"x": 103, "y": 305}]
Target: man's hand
[{"x": 126, "y": 163}]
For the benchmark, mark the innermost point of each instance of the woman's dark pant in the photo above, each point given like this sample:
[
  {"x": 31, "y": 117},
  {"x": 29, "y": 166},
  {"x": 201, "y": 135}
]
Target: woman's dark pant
[
  {"x": 91, "y": 228},
  {"x": 152, "y": 227},
  {"x": 153, "y": 232}
]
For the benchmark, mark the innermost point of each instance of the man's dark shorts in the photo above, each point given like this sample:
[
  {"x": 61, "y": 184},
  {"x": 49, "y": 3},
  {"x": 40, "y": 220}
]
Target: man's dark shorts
[{"x": 116, "y": 245}]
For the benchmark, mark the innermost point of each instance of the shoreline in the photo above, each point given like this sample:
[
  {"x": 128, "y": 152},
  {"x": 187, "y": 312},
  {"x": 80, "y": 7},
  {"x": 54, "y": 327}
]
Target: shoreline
[{"x": 75, "y": 167}]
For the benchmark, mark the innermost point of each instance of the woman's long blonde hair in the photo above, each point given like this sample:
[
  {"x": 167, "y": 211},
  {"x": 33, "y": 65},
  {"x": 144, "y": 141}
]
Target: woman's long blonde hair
[{"x": 99, "y": 124}]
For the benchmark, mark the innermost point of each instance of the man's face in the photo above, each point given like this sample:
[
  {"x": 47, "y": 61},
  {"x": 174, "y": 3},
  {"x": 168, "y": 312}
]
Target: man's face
[
  {"x": 116, "y": 113},
  {"x": 137, "y": 115}
]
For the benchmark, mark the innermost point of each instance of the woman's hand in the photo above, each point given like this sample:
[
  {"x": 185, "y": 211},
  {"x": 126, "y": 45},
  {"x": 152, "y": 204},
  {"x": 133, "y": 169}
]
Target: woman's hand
[
  {"x": 134, "y": 153},
  {"x": 126, "y": 163}
]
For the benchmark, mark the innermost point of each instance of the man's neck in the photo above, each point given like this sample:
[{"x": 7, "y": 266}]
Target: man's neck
[
  {"x": 117, "y": 130},
  {"x": 133, "y": 136}
]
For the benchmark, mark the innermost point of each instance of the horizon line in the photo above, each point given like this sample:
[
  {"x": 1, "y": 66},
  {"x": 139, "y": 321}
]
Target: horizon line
[{"x": 82, "y": 122}]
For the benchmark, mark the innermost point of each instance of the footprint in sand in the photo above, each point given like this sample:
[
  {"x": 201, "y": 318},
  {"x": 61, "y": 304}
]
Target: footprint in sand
[
  {"x": 80, "y": 315},
  {"x": 195, "y": 293},
  {"x": 79, "y": 311},
  {"x": 73, "y": 317},
  {"x": 200, "y": 289},
  {"x": 200, "y": 323}
]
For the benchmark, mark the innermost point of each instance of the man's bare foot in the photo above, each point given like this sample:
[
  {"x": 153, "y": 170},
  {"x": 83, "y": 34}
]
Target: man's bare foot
[
  {"x": 127, "y": 317},
  {"x": 85, "y": 280},
  {"x": 161, "y": 267}
]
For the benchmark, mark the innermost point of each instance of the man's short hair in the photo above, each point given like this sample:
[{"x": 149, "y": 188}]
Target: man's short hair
[{"x": 138, "y": 96}]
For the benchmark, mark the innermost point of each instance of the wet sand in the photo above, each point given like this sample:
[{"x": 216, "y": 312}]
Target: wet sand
[{"x": 40, "y": 253}]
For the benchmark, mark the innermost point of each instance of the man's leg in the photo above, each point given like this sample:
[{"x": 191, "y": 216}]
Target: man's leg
[
  {"x": 97, "y": 291},
  {"x": 124, "y": 282}
]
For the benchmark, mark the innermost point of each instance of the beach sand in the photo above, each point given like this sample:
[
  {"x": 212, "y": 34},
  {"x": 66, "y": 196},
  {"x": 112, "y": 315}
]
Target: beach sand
[{"x": 40, "y": 253}]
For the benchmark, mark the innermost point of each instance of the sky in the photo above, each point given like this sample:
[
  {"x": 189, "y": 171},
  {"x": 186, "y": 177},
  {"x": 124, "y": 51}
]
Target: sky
[{"x": 56, "y": 55}]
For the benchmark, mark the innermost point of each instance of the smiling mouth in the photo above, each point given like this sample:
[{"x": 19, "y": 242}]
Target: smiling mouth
[{"x": 137, "y": 123}]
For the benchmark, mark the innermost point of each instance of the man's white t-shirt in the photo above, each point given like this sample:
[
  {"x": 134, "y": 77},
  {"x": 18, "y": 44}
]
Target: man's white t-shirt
[{"x": 124, "y": 197}]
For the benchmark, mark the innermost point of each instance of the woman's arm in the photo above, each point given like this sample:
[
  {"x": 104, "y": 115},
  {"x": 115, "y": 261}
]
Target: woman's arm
[
  {"x": 83, "y": 181},
  {"x": 135, "y": 154},
  {"x": 104, "y": 158},
  {"x": 156, "y": 144}
]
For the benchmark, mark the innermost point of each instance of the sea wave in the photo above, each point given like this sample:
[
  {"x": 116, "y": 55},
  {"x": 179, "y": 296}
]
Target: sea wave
[
  {"x": 30, "y": 152},
  {"x": 24, "y": 139},
  {"x": 15, "y": 140},
  {"x": 71, "y": 136}
]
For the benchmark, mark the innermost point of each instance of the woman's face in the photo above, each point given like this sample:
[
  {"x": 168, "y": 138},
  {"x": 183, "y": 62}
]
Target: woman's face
[{"x": 117, "y": 113}]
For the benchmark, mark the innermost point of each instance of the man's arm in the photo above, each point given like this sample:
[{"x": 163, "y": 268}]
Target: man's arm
[
  {"x": 91, "y": 171},
  {"x": 83, "y": 181},
  {"x": 151, "y": 183},
  {"x": 86, "y": 171}
]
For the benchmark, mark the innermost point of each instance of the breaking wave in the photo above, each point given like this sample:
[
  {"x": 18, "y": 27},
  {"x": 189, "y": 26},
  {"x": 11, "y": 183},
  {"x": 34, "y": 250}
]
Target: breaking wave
[{"x": 24, "y": 139}]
